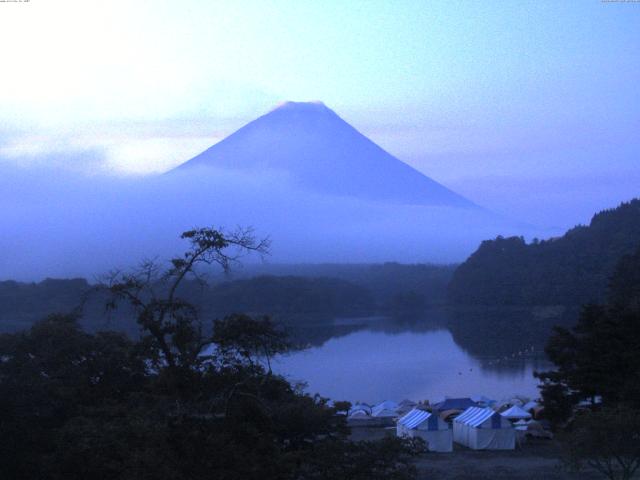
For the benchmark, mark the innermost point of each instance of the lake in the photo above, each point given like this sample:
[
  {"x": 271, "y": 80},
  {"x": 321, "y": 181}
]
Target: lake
[{"x": 380, "y": 360}]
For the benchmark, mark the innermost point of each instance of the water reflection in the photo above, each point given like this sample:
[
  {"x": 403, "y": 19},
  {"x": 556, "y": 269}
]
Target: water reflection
[
  {"x": 493, "y": 352},
  {"x": 503, "y": 338}
]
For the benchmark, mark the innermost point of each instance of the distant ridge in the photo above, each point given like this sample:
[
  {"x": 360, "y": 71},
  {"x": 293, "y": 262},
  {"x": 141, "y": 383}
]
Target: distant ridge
[
  {"x": 318, "y": 150},
  {"x": 570, "y": 270}
]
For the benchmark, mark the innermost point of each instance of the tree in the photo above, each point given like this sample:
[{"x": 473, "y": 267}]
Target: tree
[
  {"x": 607, "y": 440},
  {"x": 242, "y": 338},
  {"x": 182, "y": 402},
  {"x": 570, "y": 270},
  {"x": 55, "y": 374},
  {"x": 598, "y": 360},
  {"x": 75, "y": 405},
  {"x": 170, "y": 325},
  {"x": 387, "y": 459}
]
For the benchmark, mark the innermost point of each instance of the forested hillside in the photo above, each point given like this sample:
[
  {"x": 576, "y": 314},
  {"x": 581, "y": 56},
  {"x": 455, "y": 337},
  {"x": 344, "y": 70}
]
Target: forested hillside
[
  {"x": 389, "y": 283},
  {"x": 22, "y": 304},
  {"x": 283, "y": 296},
  {"x": 294, "y": 294},
  {"x": 571, "y": 270},
  {"x": 287, "y": 298}
]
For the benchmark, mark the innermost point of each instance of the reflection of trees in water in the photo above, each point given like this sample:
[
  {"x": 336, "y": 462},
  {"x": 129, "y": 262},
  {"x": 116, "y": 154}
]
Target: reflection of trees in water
[
  {"x": 510, "y": 366},
  {"x": 318, "y": 333},
  {"x": 507, "y": 339}
]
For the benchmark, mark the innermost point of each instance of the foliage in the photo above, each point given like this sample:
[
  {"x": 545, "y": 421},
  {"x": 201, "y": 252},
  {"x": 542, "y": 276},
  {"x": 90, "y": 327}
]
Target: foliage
[
  {"x": 288, "y": 296},
  {"x": 182, "y": 402},
  {"x": 606, "y": 440},
  {"x": 297, "y": 294},
  {"x": 291, "y": 299},
  {"x": 383, "y": 280},
  {"x": 22, "y": 304},
  {"x": 171, "y": 327},
  {"x": 388, "y": 459},
  {"x": 570, "y": 270},
  {"x": 241, "y": 338},
  {"x": 599, "y": 358},
  {"x": 55, "y": 373},
  {"x": 408, "y": 303}
]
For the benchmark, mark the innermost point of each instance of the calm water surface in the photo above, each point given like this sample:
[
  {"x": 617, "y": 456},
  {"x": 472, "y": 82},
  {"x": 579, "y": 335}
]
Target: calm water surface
[{"x": 373, "y": 365}]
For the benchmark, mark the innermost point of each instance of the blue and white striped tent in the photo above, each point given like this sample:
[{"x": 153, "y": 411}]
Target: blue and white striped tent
[
  {"x": 428, "y": 426},
  {"x": 483, "y": 429}
]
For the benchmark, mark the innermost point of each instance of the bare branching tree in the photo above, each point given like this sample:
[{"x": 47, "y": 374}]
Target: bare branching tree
[{"x": 170, "y": 325}]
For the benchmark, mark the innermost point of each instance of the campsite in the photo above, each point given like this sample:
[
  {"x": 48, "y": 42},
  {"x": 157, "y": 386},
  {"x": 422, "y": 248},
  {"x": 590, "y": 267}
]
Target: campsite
[{"x": 482, "y": 444}]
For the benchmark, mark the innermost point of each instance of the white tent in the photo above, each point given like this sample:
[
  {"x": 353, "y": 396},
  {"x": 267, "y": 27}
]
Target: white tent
[
  {"x": 515, "y": 413},
  {"x": 387, "y": 408},
  {"x": 359, "y": 414},
  {"x": 527, "y": 407},
  {"x": 483, "y": 429},
  {"x": 428, "y": 426},
  {"x": 483, "y": 401},
  {"x": 360, "y": 410}
]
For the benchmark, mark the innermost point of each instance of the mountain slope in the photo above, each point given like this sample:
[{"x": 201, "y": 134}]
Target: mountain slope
[
  {"x": 571, "y": 270},
  {"x": 300, "y": 175},
  {"x": 321, "y": 152}
]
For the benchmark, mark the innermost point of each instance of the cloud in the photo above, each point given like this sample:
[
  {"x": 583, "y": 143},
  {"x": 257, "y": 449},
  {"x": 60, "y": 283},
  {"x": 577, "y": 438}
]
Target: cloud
[
  {"x": 52, "y": 156},
  {"x": 557, "y": 201},
  {"x": 67, "y": 224},
  {"x": 120, "y": 148}
]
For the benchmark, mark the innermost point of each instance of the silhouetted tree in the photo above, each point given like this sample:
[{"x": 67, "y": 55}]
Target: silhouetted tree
[
  {"x": 607, "y": 440},
  {"x": 179, "y": 403},
  {"x": 171, "y": 328},
  {"x": 599, "y": 358}
]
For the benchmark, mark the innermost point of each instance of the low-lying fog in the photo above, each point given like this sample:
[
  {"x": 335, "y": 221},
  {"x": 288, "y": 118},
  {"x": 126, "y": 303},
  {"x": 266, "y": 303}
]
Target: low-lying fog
[{"x": 60, "y": 224}]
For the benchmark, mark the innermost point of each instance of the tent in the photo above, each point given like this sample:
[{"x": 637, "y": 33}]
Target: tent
[
  {"x": 428, "y": 426},
  {"x": 406, "y": 406},
  {"x": 482, "y": 401},
  {"x": 535, "y": 429},
  {"x": 359, "y": 414},
  {"x": 515, "y": 413},
  {"x": 532, "y": 405},
  {"x": 531, "y": 428},
  {"x": 455, "y": 404},
  {"x": 483, "y": 429},
  {"x": 387, "y": 408},
  {"x": 407, "y": 403},
  {"x": 503, "y": 405},
  {"x": 521, "y": 430},
  {"x": 360, "y": 410},
  {"x": 449, "y": 415}
]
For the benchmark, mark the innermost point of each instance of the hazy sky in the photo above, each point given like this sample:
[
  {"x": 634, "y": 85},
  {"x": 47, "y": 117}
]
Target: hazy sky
[{"x": 529, "y": 108}]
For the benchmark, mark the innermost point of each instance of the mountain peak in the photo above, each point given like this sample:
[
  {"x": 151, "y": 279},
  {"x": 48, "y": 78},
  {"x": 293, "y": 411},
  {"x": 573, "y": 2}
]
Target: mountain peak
[
  {"x": 322, "y": 152},
  {"x": 297, "y": 111},
  {"x": 314, "y": 105}
]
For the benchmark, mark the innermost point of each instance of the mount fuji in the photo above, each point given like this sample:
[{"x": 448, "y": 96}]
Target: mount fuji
[
  {"x": 322, "y": 191},
  {"x": 321, "y": 152}
]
